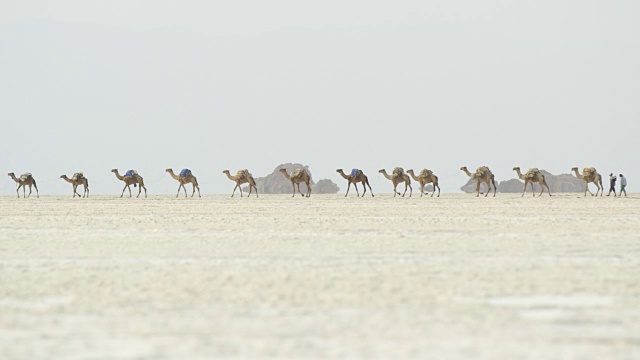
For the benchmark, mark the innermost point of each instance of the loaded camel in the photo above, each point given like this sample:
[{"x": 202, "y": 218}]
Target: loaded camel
[
  {"x": 590, "y": 175},
  {"x": 298, "y": 176},
  {"x": 131, "y": 178},
  {"x": 185, "y": 177},
  {"x": 242, "y": 177},
  {"x": 398, "y": 176},
  {"x": 24, "y": 181},
  {"x": 76, "y": 180},
  {"x": 533, "y": 175},
  {"x": 482, "y": 175},
  {"x": 357, "y": 176},
  {"x": 426, "y": 177}
]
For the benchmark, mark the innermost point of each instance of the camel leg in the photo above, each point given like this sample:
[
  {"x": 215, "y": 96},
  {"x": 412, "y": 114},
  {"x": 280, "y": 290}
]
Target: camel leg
[
  {"x": 299, "y": 190},
  {"x": 308, "y": 189},
  {"x": 234, "y": 190},
  {"x": 395, "y": 191},
  {"x": 371, "y": 191},
  {"x": 410, "y": 189},
  {"x": 179, "y": 187},
  {"x": 18, "y": 190},
  {"x": 194, "y": 190},
  {"x": 488, "y": 188},
  {"x": 495, "y": 188},
  {"x": 526, "y": 182},
  {"x": 587, "y": 189},
  {"x": 240, "y": 187},
  {"x": 255, "y": 187},
  {"x": 29, "y": 191},
  {"x": 355, "y": 185},
  {"x": 123, "y": 189},
  {"x": 294, "y": 189},
  {"x": 348, "y": 187},
  {"x": 405, "y": 190},
  {"x": 477, "y": 188}
]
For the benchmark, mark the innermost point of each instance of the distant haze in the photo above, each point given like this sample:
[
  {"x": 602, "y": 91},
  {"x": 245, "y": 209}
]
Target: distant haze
[{"x": 213, "y": 85}]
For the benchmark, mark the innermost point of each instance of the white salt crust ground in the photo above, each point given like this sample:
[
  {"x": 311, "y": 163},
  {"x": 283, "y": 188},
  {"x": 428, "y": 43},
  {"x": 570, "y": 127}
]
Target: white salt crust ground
[{"x": 455, "y": 277}]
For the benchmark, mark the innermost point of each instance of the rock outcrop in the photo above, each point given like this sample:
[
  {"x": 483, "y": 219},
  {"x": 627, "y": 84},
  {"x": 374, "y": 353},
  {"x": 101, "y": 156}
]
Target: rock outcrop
[
  {"x": 564, "y": 183},
  {"x": 276, "y": 183}
]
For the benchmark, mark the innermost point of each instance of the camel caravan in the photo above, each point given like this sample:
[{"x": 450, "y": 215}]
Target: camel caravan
[{"x": 300, "y": 175}]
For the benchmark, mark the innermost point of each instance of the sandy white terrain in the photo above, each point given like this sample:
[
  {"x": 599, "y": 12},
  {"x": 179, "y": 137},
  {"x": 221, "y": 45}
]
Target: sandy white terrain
[{"x": 455, "y": 277}]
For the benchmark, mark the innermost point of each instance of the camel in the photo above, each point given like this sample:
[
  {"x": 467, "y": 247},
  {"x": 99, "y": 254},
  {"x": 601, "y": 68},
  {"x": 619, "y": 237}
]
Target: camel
[
  {"x": 24, "y": 181},
  {"x": 76, "y": 180},
  {"x": 482, "y": 175},
  {"x": 129, "y": 180},
  {"x": 398, "y": 176},
  {"x": 590, "y": 175},
  {"x": 533, "y": 175},
  {"x": 357, "y": 176},
  {"x": 426, "y": 177},
  {"x": 242, "y": 177},
  {"x": 185, "y": 177},
  {"x": 298, "y": 176}
]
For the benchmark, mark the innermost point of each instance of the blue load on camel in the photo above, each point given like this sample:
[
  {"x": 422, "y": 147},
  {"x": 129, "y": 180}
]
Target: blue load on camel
[
  {"x": 130, "y": 173},
  {"x": 354, "y": 172},
  {"x": 185, "y": 172}
]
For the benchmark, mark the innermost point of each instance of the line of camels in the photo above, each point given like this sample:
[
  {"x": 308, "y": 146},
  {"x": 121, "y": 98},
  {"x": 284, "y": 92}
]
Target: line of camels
[{"x": 398, "y": 176}]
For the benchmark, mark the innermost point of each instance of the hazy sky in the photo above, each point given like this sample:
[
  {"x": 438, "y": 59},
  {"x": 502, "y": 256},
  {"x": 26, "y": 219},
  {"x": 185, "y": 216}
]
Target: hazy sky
[{"x": 213, "y": 85}]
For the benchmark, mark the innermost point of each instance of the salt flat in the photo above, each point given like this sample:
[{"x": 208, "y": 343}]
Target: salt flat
[{"x": 454, "y": 277}]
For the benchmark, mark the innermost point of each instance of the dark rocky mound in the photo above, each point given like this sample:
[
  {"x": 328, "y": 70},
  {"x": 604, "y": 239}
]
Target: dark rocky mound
[{"x": 276, "y": 183}]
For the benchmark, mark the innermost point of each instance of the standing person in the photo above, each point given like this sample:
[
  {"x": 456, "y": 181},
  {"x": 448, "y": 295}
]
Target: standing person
[
  {"x": 623, "y": 185},
  {"x": 612, "y": 184}
]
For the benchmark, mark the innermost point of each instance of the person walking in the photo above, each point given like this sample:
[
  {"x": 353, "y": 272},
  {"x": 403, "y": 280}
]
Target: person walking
[
  {"x": 623, "y": 185},
  {"x": 612, "y": 184}
]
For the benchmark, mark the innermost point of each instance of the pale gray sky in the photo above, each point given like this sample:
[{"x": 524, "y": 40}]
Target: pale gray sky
[{"x": 212, "y": 85}]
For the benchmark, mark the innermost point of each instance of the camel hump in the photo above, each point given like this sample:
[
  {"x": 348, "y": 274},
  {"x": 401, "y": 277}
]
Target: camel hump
[
  {"x": 589, "y": 170},
  {"x": 131, "y": 173},
  {"x": 77, "y": 176},
  {"x": 425, "y": 173},
  {"x": 532, "y": 173},
  {"x": 356, "y": 172},
  {"x": 26, "y": 176},
  {"x": 298, "y": 173},
  {"x": 185, "y": 172},
  {"x": 398, "y": 170},
  {"x": 483, "y": 170}
]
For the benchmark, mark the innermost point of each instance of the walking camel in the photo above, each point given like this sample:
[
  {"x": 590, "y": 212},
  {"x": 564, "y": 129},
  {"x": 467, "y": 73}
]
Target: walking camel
[
  {"x": 398, "y": 176},
  {"x": 25, "y": 180},
  {"x": 131, "y": 178},
  {"x": 426, "y": 177},
  {"x": 533, "y": 175},
  {"x": 242, "y": 177},
  {"x": 590, "y": 175},
  {"x": 76, "y": 180},
  {"x": 357, "y": 176},
  {"x": 482, "y": 175},
  {"x": 298, "y": 176},
  {"x": 185, "y": 177}
]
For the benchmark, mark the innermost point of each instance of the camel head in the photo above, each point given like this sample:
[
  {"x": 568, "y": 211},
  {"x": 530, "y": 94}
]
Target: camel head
[
  {"x": 410, "y": 171},
  {"x": 382, "y": 171},
  {"x": 574, "y": 169},
  {"x": 63, "y": 176},
  {"x": 464, "y": 168},
  {"x": 11, "y": 174},
  {"x": 114, "y": 170},
  {"x": 516, "y": 168},
  {"x": 283, "y": 170},
  {"x": 338, "y": 170},
  {"x": 225, "y": 171},
  {"x": 169, "y": 170}
]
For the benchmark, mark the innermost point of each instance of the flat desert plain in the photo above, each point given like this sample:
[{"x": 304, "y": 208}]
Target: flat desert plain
[{"x": 455, "y": 277}]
